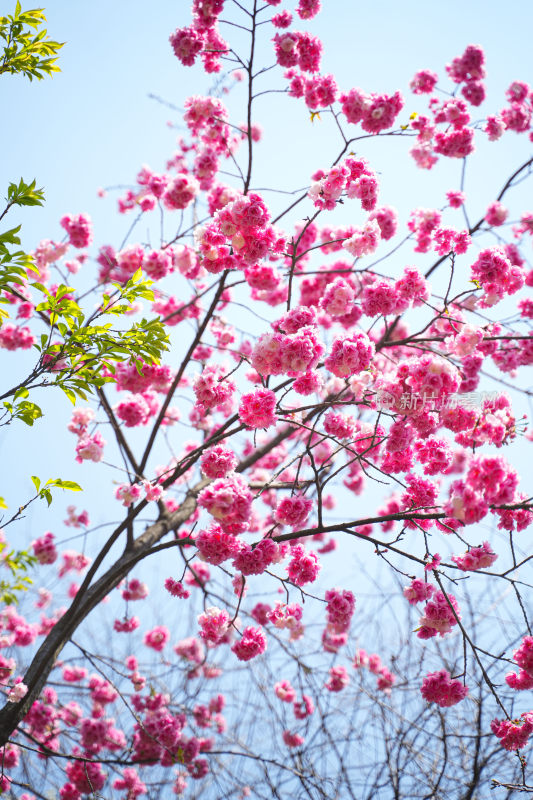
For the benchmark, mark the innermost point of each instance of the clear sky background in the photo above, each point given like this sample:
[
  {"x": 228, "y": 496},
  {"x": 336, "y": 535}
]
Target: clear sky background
[{"x": 93, "y": 125}]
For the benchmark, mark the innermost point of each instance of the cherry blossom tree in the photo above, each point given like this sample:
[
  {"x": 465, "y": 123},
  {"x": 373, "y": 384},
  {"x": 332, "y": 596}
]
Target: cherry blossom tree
[{"x": 306, "y": 498}]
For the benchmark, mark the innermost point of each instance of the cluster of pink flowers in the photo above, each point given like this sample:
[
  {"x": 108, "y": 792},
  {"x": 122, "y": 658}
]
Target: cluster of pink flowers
[
  {"x": 340, "y": 425},
  {"x": 214, "y": 624},
  {"x": 158, "y": 735},
  {"x": 354, "y": 177},
  {"x": 476, "y": 558},
  {"x": 287, "y": 617},
  {"x": 84, "y": 777},
  {"x": 135, "y": 590},
  {"x": 340, "y": 609},
  {"x": 439, "y": 617},
  {"x": 215, "y": 546},
  {"x": 465, "y": 342},
  {"x": 126, "y": 625},
  {"x": 258, "y": 409},
  {"x": 318, "y": 91},
  {"x": 363, "y": 241},
  {"x": 338, "y": 298},
  {"x": 518, "y": 114},
  {"x": 489, "y": 480},
  {"x": 48, "y": 252},
  {"x": 197, "y": 575},
  {"x": 88, "y": 448},
  {"x": 176, "y": 589},
  {"x": 524, "y": 659},
  {"x": 285, "y": 692},
  {"x": 212, "y": 388},
  {"x": 349, "y": 355},
  {"x": 524, "y": 654},
  {"x": 293, "y": 511},
  {"x": 251, "y": 644},
  {"x": 180, "y": 192},
  {"x": 79, "y": 229},
  {"x": 206, "y": 118},
  {"x": 229, "y": 500},
  {"x": 307, "y": 9},
  {"x": 303, "y": 567},
  {"x": 338, "y": 679},
  {"x": 435, "y": 454},
  {"x": 293, "y": 739},
  {"x": 263, "y": 277},
  {"x": 278, "y": 353},
  {"x": 128, "y": 493},
  {"x": 190, "y": 649},
  {"x": 446, "y": 240},
  {"x": 254, "y": 561},
  {"x": 423, "y": 82},
  {"x": 328, "y": 187},
  {"x": 44, "y": 549},
  {"x": 375, "y": 112},
  {"x": 303, "y": 708},
  {"x": 455, "y": 198},
  {"x": 423, "y": 222},
  {"x": 73, "y": 562},
  {"x": 420, "y": 493},
  {"x": 412, "y": 289},
  {"x": 513, "y": 734},
  {"x": 157, "y": 638},
  {"x": 130, "y": 782},
  {"x": 13, "y": 337},
  {"x": 457, "y": 143},
  {"x": 238, "y": 236},
  {"x": 418, "y": 591},
  {"x": 137, "y": 409},
  {"x": 76, "y": 520},
  {"x": 74, "y": 674},
  {"x": 440, "y": 688},
  {"x": 386, "y": 678},
  {"x": 470, "y": 66},
  {"x": 496, "y": 214},
  {"x": 158, "y": 264},
  {"x": 382, "y": 297},
  {"x": 514, "y": 519},
  {"x": 202, "y": 37},
  {"x": 17, "y": 693},
  {"x": 496, "y": 275},
  {"x": 423, "y": 378},
  {"x": 297, "y": 49},
  {"x": 387, "y": 219},
  {"x": 457, "y": 139},
  {"x": 139, "y": 378}
]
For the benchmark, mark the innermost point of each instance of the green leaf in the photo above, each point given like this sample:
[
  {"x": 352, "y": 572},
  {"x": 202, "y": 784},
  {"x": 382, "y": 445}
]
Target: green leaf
[
  {"x": 9, "y": 237},
  {"x": 36, "y": 482},
  {"x": 70, "y": 394},
  {"x": 61, "y": 484}
]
